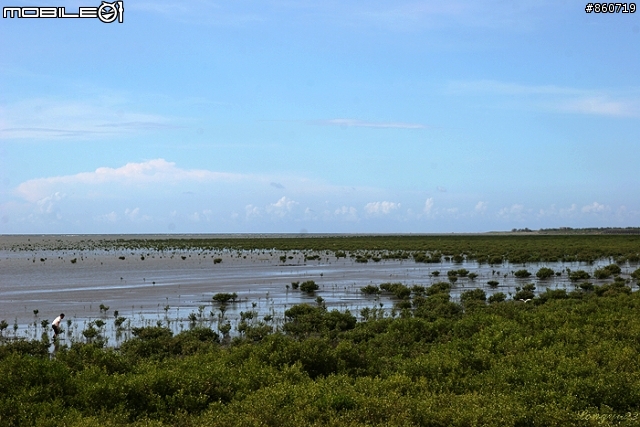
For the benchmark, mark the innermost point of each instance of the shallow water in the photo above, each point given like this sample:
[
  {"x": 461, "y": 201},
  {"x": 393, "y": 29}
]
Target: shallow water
[{"x": 167, "y": 287}]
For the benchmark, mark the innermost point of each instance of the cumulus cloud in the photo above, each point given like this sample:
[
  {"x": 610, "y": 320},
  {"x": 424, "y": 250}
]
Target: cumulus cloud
[
  {"x": 349, "y": 213},
  {"x": 47, "y": 209},
  {"x": 284, "y": 204},
  {"x": 279, "y": 209},
  {"x": 481, "y": 207},
  {"x": 570, "y": 210},
  {"x": 161, "y": 177},
  {"x": 515, "y": 211},
  {"x": 49, "y": 204},
  {"x": 135, "y": 215},
  {"x": 381, "y": 208},
  {"x": 562, "y": 212},
  {"x": 252, "y": 212},
  {"x": 428, "y": 205},
  {"x": 595, "y": 207},
  {"x": 155, "y": 171},
  {"x": 132, "y": 214},
  {"x": 110, "y": 217}
]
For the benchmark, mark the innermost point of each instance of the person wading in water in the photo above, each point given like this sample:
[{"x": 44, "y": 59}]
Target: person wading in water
[{"x": 56, "y": 325}]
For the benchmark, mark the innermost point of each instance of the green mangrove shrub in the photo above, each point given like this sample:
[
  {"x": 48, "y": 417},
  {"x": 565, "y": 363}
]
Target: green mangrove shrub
[
  {"x": 544, "y": 273},
  {"x": 309, "y": 286}
]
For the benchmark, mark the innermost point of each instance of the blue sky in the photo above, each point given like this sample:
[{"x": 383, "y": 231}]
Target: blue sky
[{"x": 333, "y": 116}]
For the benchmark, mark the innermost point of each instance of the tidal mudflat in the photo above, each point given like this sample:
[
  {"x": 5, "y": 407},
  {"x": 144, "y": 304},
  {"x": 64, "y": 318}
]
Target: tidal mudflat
[{"x": 102, "y": 278}]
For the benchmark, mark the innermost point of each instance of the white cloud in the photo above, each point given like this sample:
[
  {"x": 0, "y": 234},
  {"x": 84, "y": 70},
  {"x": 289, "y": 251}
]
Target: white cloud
[
  {"x": 561, "y": 213},
  {"x": 155, "y": 171},
  {"x": 349, "y": 213},
  {"x": 570, "y": 210},
  {"x": 134, "y": 215},
  {"x": 252, "y": 212},
  {"x": 159, "y": 177},
  {"x": 515, "y": 211},
  {"x": 481, "y": 207},
  {"x": 49, "y": 204},
  {"x": 284, "y": 204},
  {"x": 110, "y": 217},
  {"x": 595, "y": 207},
  {"x": 428, "y": 205},
  {"x": 282, "y": 207},
  {"x": 378, "y": 208}
]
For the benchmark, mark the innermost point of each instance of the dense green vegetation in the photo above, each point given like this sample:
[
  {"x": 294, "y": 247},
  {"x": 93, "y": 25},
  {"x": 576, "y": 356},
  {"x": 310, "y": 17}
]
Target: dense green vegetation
[{"x": 565, "y": 358}]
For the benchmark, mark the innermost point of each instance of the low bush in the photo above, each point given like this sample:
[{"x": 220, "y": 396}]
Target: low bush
[
  {"x": 309, "y": 286},
  {"x": 224, "y": 298},
  {"x": 370, "y": 290},
  {"x": 522, "y": 274},
  {"x": 575, "y": 276},
  {"x": 544, "y": 273}
]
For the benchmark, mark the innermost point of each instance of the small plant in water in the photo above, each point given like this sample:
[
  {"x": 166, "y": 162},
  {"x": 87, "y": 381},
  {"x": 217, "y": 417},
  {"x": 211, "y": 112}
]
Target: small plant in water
[
  {"x": 3, "y": 325},
  {"x": 309, "y": 286}
]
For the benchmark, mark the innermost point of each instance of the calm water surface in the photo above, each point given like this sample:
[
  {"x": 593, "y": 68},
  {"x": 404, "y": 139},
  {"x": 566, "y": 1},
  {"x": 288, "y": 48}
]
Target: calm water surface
[{"x": 149, "y": 287}]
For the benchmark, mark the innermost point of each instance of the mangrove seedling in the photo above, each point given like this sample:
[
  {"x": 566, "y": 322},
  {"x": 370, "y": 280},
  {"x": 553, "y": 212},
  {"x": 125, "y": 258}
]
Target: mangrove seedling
[
  {"x": 225, "y": 328},
  {"x": 119, "y": 321},
  {"x": 3, "y": 325}
]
